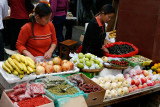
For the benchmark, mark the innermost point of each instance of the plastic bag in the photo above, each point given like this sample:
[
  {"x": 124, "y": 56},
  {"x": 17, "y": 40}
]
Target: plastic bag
[
  {"x": 37, "y": 89},
  {"x": 19, "y": 91},
  {"x": 12, "y": 96},
  {"x": 20, "y": 86}
]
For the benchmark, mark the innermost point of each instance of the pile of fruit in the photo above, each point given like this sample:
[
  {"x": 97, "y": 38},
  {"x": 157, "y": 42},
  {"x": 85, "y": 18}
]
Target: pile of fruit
[
  {"x": 120, "y": 49},
  {"x": 119, "y": 63},
  {"x": 19, "y": 65},
  {"x": 54, "y": 66},
  {"x": 87, "y": 61},
  {"x": 156, "y": 68},
  {"x": 112, "y": 34},
  {"x": 141, "y": 78},
  {"x": 114, "y": 85}
]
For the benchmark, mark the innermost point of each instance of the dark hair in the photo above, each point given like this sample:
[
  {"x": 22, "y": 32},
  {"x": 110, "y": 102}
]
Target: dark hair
[
  {"x": 42, "y": 9},
  {"x": 107, "y": 9}
]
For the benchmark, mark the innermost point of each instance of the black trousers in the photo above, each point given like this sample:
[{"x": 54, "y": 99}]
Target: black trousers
[
  {"x": 15, "y": 27},
  {"x": 68, "y": 25},
  {"x": 1, "y": 46}
]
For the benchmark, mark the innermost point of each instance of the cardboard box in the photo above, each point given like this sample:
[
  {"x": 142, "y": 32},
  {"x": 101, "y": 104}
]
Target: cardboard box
[
  {"x": 93, "y": 97},
  {"x": 6, "y": 102}
]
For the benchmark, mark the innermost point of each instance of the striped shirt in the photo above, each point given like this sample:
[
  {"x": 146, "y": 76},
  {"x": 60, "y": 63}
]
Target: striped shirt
[{"x": 40, "y": 43}]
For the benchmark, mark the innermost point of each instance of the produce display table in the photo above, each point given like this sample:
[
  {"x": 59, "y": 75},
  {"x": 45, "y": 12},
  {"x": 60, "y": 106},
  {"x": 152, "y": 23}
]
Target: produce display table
[{"x": 130, "y": 96}]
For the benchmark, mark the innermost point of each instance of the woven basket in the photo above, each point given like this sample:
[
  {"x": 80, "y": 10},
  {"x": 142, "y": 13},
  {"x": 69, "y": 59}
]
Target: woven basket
[
  {"x": 92, "y": 70},
  {"x": 115, "y": 67}
]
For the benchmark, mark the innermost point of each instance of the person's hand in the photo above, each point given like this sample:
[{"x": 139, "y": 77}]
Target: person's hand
[
  {"x": 48, "y": 55},
  {"x": 106, "y": 50}
]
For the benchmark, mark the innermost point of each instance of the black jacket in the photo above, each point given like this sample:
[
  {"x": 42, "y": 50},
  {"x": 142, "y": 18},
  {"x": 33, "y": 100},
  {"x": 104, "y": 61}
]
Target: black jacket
[{"x": 94, "y": 38}]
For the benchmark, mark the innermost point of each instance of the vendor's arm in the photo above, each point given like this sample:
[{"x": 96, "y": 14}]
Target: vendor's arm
[
  {"x": 48, "y": 54},
  {"x": 105, "y": 49},
  {"x": 22, "y": 40}
]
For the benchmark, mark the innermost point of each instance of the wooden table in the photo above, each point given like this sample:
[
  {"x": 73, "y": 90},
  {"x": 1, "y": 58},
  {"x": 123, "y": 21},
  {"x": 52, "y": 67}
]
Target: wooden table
[{"x": 134, "y": 94}]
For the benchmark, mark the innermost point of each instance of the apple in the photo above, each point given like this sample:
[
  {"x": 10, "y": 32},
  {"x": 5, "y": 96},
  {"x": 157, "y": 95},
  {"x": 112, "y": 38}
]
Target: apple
[
  {"x": 64, "y": 61},
  {"x": 120, "y": 92},
  {"x": 125, "y": 89},
  {"x": 80, "y": 65},
  {"x": 132, "y": 72},
  {"x": 132, "y": 82},
  {"x": 125, "y": 83},
  {"x": 137, "y": 82},
  {"x": 149, "y": 77},
  {"x": 130, "y": 89},
  {"x": 88, "y": 63},
  {"x": 104, "y": 58},
  {"x": 75, "y": 61},
  {"x": 80, "y": 55},
  {"x": 139, "y": 71},
  {"x": 114, "y": 85},
  {"x": 156, "y": 81},
  {"x": 107, "y": 94},
  {"x": 86, "y": 59},
  {"x": 145, "y": 72},
  {"x": 100, "y": 65},
  {"x": 107, "y": 85},
  {"x": 97, "y": 61},
  {"x": 135, "y": 88},
  {"x": 49, "y": 69},
  {"x": 126, "y": 76},
  {"x": 114, "y": 93},
  {"x": 143, "y": 80},
  {"x": 57, "y": 60},
  {"x": 87, "y": 56},
  {"x": 150, "y": 83},
  {"x": 81, "y": 60},
  {"x": 57, "y": 68},
  {"x": 145, "y": 85},
  {"x": 140, "y": 86}
]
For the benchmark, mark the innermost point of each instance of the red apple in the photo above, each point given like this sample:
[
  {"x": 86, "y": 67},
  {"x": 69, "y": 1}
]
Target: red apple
[
  {"x": 145, "y": 73},
  {"x": 140, "y": 86},
  {"x": 139, "y": 71},
  {"x": 49, "y": 69},
  {"x": 132, "y": 82},
  {"x": 153, "y": 83},
  {"x": 156, "y": 81},
  {"x": 137, "y": 82},
  {"x": 130, "y": 89},
  {"x": 135, "y": 88},
  {"x": 149, "y": 77},
  {"x": 143, "y": 80},
  {"x": 126, "y": 76},
  {"x": 145, "y": 85}
]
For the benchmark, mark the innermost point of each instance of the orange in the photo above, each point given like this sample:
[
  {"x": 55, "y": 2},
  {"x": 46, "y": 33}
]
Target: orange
[
  {"x": 153, "y": 68},
  {"x": 154, "y": 73},
  {"x": 158, "y": 70},
  {"x": 156, "y": 65}
]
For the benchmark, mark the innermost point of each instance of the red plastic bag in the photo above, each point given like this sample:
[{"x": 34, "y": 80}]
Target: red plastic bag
[
  {"x": 79, "y": 49},
  {"x": 20, "y": 86},
  {"x": 23, "y": 96},
  {"x": 12, "y": 96},
  {"x": 19, "y": 91},
  {"x": 37, "y": 89},
  {"x": 124, "y": 55}
]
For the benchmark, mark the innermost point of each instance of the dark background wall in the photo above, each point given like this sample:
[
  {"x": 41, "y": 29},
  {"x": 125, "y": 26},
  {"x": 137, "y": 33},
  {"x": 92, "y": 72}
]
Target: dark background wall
[{"x": 139, "y": 23}]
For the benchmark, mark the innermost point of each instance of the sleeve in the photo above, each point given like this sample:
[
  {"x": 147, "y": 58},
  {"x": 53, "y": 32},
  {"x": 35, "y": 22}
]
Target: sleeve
[
  {"x": 5, "y": 9},
  {"x": 53, "y": 36},
  {"x": 53, "y": 4},
  {"x": 22, "y": 39},
  {"x": 92, "y": 34}
]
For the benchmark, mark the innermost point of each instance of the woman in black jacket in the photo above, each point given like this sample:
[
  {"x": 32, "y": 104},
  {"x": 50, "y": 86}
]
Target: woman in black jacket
[{"x": 95, "y": 34}]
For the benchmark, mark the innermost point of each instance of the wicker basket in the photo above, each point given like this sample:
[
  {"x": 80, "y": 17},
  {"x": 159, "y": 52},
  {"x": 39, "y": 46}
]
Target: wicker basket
[
  {"x": 92, "y": 70},
  {"x": 115, "y": 67}
]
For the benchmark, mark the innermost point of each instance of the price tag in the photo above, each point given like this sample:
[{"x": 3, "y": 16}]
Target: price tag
[{"x": 1, "y": 90}]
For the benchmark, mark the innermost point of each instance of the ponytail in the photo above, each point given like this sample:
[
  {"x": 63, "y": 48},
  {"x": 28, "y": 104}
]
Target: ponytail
[{"x": 32, "y": 20}]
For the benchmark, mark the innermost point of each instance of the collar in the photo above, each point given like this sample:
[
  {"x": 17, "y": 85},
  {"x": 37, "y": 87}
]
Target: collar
[{"x": 99, "y": 22}]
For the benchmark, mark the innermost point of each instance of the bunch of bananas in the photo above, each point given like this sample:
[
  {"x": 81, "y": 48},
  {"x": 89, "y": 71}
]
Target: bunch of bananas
[
  {"x": 19, "y": 65},
  {"x": 112, "y": 34}
]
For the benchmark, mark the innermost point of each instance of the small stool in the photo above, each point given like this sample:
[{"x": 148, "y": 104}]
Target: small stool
[{"x": 68, "y": 46}]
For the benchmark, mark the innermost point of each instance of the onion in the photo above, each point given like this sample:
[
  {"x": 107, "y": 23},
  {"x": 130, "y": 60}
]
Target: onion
[
  {"x": 50, "y": 62},
  {"x": 44, "y": 64},
  {"x": 64, "y": 61},
  {"x": 40, "y": 70},
  {"x": 57, "y": 68},
  {"x": 66, "y": 67},
  {"x": 49, "y": 68},
  {"x": 71, "y": 65},
  {"x": 57, "y": 61}
]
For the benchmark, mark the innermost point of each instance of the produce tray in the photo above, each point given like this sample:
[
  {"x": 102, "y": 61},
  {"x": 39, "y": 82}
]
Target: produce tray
[
  {"x": 132, "y": 63},
  {"x": 145, "y": 63},
  {"x": 92, "y": 70},
  {"x": 115, "y": 67},
  {"x": 10, "y": 78}
]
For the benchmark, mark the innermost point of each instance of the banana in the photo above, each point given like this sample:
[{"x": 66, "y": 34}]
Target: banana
[
  {"x": 6, "y": 69},
  {"x": 30, "y": 69},
  {"x": 16, "y": 56},
  {"x": 34, "y": 70},
  {"x": 30, "y": 60},
  {"x": 8, "y": 65},
  {"x": 21, "y": 76},
  {"x": 26, "y": 61},
  {"x": 11, "y": 63},
  {"x": 22, "y": 58},
  {"x": 28, "y": 72},
  {"x": 15, "y": 72},
  {"x": 18, "y": 64},
  {"x": 24, "y": 67},
  {"x": 31, "y": 64}
]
